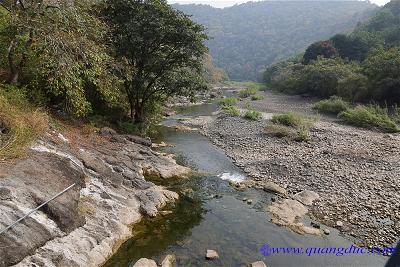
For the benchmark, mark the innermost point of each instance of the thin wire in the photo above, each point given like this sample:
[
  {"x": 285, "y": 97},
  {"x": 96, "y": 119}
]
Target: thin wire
[{"x": 34, "y": 210}]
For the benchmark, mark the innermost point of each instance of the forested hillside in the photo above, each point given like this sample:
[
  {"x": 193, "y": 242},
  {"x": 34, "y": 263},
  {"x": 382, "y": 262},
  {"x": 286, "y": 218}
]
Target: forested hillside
[{"x": 247, "y": 37}]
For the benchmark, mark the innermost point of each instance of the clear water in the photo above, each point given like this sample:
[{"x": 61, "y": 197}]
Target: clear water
[{"x": 214, "y": 216}]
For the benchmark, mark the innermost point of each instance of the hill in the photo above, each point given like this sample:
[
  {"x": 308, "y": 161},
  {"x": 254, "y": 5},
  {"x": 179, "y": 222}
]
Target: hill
[{"x": 247, "y": 37}]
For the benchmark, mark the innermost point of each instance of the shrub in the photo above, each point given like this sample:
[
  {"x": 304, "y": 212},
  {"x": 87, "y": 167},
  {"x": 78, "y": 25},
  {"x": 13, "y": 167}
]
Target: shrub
[
  {"x": 333, "y": 105},
  {"x": 371, "y": 116},
  {"x": 229, "y": 101},
  {"x": 20, "y": 123},
  {"x": 257, "y": 97},
  {"x": 231, "y": 111},
  {"x": 291, "y": 125},
  {"x": 253, "y": 115},
  {"x": 247, "y": 92}
]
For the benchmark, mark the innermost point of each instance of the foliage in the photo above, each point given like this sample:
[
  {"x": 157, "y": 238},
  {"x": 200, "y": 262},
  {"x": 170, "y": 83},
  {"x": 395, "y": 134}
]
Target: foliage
[
  {"x": 231, "y": 111},
  {"x": 321, "y": 48},
  {"x": 20, "y": 122},
  {"x": 257, "y": 97},
  {"x": 247, "y": 92},
  {"x": 333, "y": 105},
  {"x": 211, "y": 73},
  {"x": 162, "y": 50},
  {"x": 371, "y": 116},
  {"x": 228, "y": 101},
  {"x": 253, "y": 115},
  {"x": 291, "y": 125},
  {"x": 245, "y": 38}
]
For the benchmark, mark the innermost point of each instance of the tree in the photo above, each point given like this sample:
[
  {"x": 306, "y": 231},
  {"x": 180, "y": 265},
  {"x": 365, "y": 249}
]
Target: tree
[
  {"x": 59, "y": 50},
  {"x": 322, "y": 48},
  {"x": 162, "y": 50}
]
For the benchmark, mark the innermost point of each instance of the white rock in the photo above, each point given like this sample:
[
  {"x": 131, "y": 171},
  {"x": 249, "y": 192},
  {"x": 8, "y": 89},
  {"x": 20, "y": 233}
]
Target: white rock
[
  {"x": 169, "y": 261},
  {"x": 258, "y": 264},
  {"x": 306, "y": 197},
  {"x": 211, "y": 255},
  {"x": 143, "y": 262},
  {"x": 339, "y": 224}
]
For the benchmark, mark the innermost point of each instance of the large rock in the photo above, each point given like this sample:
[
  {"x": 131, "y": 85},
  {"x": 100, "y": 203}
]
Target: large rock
[
  {"x": 288, "y": 213},
  {"x": 274, "y": 188},
  {"x": 143, "y": 262},
  {"x": 258, "y": 264},
  {"x": 211, "y": 254},
  {"x": 306, "y": 197},
  {"x": 139, "y": 140},
  {"x": 107, "y": 132},
  {"x": 169, "y": 261}
]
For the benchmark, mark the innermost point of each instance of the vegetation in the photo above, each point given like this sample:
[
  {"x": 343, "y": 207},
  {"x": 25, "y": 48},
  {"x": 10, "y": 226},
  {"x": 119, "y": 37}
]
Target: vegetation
[
  {"x": 333, "y": 105},
  {"x": 257, "y": 97},
  {"x": 247, "y": 92},
  {"x": 21, "y": 123},
  {"x": 228, "y": 101},
  {"x": 247, "y": 37},
  {"x": 231, "y": 111},
  {"x": 371, "y": 116},
  {"x": 290, "y": 125},
  {"x": 253, "y": 115}
]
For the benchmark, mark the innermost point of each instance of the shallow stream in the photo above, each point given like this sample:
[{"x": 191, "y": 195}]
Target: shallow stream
[{"x": 212, "y": 215}]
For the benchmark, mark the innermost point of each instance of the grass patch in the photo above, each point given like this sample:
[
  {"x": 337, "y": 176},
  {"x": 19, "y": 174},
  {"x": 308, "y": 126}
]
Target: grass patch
[
  {"x": 247, "y": 93},
  {"x": 371, "y": 116},
  {"x": 21, "y": 123},
  {"x": 257, "y": 97},
  {"x": 290, "y": 125},
  {"x": 253, "y": 115},
  {"x": 333, "y": 105},
  {"x": 228, "y": 101},
  {"x": 231, "y": 111},
  {"x": 249, "y": 85}
]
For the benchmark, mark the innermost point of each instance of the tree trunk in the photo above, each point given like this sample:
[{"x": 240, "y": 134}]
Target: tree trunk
[
  {"x": 138, "y": 118},
  {"x": 14, "y": 72}
]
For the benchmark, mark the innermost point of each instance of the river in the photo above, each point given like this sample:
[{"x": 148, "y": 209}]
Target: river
[{"x": 212, "y": 215}]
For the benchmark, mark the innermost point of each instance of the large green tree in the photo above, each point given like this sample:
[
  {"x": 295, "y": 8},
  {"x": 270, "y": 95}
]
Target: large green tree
[{"x": 161, "y": 50}]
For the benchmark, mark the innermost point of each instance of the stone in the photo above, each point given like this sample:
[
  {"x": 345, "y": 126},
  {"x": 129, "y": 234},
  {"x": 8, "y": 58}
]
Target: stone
[
  {"x": 327, "y": 232},
  {"x": 274, "y": 188},
  {"x": 169, "y": 261},
  {"x": 107, "y": 132},
  {"x": 139, "y": 140},
  {"x": 143, "y": 262},
  {"x": 273, "y": 199},
  {"x": 166, "y": 212},
  {"x": 258, "y": 264},
  {"x": 339, "y": 224},
  {"x": 249, "y": 201},
  {"x": 5, "y": 193},
  {"x": 306, "y": 197},
  {"x": 315, "y": 225},
  {"x": 211, "y": 255}
]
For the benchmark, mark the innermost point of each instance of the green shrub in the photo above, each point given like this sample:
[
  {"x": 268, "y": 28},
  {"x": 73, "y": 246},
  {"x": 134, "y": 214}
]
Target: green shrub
[
  {"x": 253, "y": 115},
  {"x": 247, "y": 92},
  {"x": 20, "y": 122},
  {"x": 371, "y": 116},
  {"x": 229, "y": 101},
  {"x": 291, "y": 125},
  {"x": 333, "y": 105},
  {"x": 231, "y": 111},
  {"x": 257, "y": 97}
]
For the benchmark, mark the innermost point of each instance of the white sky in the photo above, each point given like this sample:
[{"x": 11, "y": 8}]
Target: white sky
[{"x": 226, "y": 3}]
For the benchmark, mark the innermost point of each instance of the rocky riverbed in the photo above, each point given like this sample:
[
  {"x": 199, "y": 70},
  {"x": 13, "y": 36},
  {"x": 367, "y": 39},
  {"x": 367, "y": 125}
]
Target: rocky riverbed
[
  {"x": 86, "y": 225},
  {"x": 354, "y": 171}
]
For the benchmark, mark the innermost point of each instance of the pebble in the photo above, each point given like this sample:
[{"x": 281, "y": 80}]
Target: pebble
[
  {"x": 249, "y": 201},
  {"x": 327, "y": 232},
  {"x": 339, "y": 224},
  {"x": 211, "y": 255}
]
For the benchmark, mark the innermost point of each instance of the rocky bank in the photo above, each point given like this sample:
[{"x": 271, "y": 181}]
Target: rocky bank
[
  {"x": 84, "y": 226},
  {"x": 354, "y": 171}
]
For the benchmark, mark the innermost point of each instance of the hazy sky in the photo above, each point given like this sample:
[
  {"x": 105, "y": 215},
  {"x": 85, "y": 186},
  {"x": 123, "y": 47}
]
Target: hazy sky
[{"x": 225, "y": 3}]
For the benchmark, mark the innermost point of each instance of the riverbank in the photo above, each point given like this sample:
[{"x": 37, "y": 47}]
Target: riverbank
[
  {"x": 88, "y": 223},
  {"x": 354, "y": 171}
]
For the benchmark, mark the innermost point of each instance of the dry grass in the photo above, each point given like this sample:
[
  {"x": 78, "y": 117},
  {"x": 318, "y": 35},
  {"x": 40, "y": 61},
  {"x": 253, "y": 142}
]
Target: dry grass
[{"x": 22, "y": 122}]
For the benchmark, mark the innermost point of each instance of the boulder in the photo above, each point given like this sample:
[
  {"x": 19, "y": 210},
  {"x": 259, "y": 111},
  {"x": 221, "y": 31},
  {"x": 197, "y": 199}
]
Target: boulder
[
  {"x": 211, "y": 255},
  {"x": 139, "y": 140},
  {"x": 143, "y": 262},
  {"x": 258, "y": 264},
  {"x": 107, "y": 132},
  {"x": 274, "y": 188},
  {"x": 306, "y": 197},
  {"x": 169, "y": 261}
]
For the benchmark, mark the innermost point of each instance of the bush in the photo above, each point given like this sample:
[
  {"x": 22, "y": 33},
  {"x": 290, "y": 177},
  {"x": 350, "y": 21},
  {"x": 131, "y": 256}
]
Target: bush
[
  {"x": 333, "y": 105},
  {"x": 247, "y": 92},
  {"x": 20, "y": 123},
  {"x": 253, "y": 115},
  {"x": 257, "y": 97},
  {"x": 231, "y": 111},
  {"x": 291, "y": 125},
  {"x": 371, "y": 116},
  {"x": 229, "y": 101}
]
